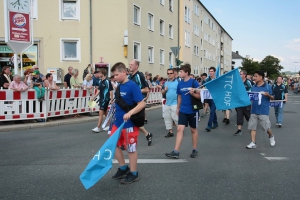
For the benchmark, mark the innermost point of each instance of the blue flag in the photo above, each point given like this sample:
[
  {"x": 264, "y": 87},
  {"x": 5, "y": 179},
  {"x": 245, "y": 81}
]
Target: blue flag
[
  {"x": 218, "y": 71},
  {"x": 228, "y": 91},
  {"x": 101, "y": 162}
]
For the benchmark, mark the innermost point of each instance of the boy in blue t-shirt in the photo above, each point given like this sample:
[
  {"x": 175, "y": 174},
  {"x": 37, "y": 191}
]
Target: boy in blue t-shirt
[
  {"x": 131, "y": 94},
  {"x": 186, "y": 89},
  {"x": 260, "y": 109}
]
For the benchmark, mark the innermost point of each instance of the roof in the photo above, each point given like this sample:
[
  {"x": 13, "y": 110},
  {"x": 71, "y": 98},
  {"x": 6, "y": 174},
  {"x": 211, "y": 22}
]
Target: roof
[
  {"x": 236, "y": 56},
  {"x": 214, "y": 18}
]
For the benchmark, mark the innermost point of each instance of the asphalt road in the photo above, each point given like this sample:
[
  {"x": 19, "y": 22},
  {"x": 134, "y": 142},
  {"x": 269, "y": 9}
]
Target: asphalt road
[{"x": 45, "y": 163}]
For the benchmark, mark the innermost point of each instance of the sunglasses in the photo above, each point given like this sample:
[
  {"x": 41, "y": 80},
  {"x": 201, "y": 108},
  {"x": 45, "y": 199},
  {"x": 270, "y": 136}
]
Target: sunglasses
[{"x": 170, "y": 73}]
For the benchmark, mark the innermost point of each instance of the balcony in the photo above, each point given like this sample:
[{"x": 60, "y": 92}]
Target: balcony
[
  {"x": 222, "y": 66},
  {"x": 222, "y": 53}
]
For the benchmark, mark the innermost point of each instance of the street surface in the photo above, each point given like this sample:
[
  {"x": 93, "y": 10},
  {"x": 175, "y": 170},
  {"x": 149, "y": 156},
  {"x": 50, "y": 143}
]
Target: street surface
[{"x": 45, "y": 163}]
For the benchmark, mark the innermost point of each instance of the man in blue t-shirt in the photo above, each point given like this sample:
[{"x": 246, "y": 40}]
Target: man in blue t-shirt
[
  {"x": 96, "y": 79},
  {"x": 140, "y": 80},
  {"x": 260, "y": 109},
  {"x": 213, "y": 120},
  {"x": 131, "y": 94},
  {"x": 105, "y": 92},
  {"x": 186, "y": 114},
  {"x": 170, "y": 91}
]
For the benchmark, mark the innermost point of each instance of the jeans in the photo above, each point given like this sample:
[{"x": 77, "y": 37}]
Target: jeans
[
  {"x": 213, "y": 115},
  {"x": 279, "y": 113}
]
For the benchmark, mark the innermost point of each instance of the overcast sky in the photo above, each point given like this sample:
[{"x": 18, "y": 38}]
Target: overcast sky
[{"x": 261, "y": 27}]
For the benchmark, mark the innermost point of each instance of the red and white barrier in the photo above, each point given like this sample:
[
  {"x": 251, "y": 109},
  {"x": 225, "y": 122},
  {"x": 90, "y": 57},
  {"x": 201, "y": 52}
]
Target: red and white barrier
[{"x": 16, "y": 105}]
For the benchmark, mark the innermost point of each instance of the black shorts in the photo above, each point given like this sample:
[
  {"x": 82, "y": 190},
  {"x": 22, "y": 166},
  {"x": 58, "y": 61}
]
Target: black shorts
[
  {"x": 104, "y": 106},
  {"x": 206, "y": 100},
  {"x": 188, "y": 119}
]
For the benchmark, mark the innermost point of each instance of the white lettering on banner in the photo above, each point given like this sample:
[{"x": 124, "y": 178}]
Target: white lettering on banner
[
  {"x": 228, "y": 86},
  {"x": 129, "y": 130},
  {"x": 105, "y": 158}
]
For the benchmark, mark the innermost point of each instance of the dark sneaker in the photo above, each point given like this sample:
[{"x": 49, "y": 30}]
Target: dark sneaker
[
  {"x": 146, "y": 121},
  {"x": 149, "y": 138},
  {"x": 239, "y": 132},
  {"x": 214, "y": 126},
  {"x": 279, "y": 125},
  {"x": 130, "y": 178},
  {"x": 224, "y": 120},
  {"x": 121, "y": 173},
  {"x": 194, "y": 154},
  {"x": 172, "y": 155},
  {"x": 227, "y": 121},
  {"x": 208, "y": 128},
  {"x": 169, "y": 135}
]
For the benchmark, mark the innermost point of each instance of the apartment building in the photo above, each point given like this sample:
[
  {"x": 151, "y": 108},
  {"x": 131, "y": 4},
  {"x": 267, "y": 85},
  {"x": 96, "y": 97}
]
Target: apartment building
[
  {"x": 78, "y": 32},
  {"x": 204, "y": 42}
]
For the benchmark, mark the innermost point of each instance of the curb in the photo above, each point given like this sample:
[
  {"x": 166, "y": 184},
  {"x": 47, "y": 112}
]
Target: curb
[{"x": 13, "y": 127}]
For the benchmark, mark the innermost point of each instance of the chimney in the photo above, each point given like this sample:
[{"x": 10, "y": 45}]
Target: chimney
[{"x": 237, "y": 52}]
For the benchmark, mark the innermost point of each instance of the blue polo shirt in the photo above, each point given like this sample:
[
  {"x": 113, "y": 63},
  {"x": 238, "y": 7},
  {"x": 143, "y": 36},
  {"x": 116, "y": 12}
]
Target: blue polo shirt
[
  {"x": 264, "y": 107},
  {"x": 171, "y": 94},
  {"x": 186, "y": 101}
]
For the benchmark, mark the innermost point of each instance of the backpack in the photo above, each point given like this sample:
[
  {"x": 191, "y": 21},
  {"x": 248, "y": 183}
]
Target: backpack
[{"x": 137, "y": 119}]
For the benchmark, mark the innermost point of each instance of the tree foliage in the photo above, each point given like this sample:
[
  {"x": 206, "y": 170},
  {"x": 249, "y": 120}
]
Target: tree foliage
[
  {"x": 271, "y": 65},
  {"x": 250, "y": 66}
]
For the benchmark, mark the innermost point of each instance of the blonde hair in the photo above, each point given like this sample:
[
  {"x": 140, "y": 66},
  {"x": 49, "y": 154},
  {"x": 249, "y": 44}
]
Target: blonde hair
[
  {"x": 74, "y": 71},
  {"x": 88, "y": 77}
]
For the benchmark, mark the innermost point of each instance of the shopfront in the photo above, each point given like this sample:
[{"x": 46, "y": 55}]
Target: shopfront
[{"x": 29, "y": 57}]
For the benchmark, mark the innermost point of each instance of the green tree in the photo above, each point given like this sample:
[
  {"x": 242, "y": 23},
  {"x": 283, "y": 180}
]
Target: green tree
[
  {"x": 271, "y": 65},
  {"x": 250, "y": 66}
]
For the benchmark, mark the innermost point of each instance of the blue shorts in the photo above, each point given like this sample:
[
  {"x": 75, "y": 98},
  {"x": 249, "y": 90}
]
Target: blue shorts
[{"x": 188, "y": 119}]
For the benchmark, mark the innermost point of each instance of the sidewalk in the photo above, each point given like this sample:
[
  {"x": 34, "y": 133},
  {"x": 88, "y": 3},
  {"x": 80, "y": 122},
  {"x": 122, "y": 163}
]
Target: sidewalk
[{"x": 55, "y": 121}]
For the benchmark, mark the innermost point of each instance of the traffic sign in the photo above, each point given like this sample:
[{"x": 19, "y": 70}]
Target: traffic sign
[{"x": 175, "y": 51}]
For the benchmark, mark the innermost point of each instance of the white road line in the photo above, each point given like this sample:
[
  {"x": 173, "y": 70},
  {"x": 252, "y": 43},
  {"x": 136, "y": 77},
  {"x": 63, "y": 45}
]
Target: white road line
[
  {"x": 263, "y": 154},
  {"x": 276, "y": 158},
  {"x": 155, "y": 161}
]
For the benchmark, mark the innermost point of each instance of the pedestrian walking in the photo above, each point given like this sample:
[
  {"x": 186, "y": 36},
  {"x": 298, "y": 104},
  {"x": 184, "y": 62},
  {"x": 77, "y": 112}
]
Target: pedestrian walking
[
  {"x": 131, "y": 94},
  {"x": 280, "y": 93},
  {"x": 187, "y": 116},
  {"x": 260, "y": 109},
  {"x": 170, "y": 91}
]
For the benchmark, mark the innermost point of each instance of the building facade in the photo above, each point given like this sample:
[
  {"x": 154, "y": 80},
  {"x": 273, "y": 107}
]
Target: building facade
[
  {"x": 204, "y": 42},
  {"x": 78, "y": 32}
]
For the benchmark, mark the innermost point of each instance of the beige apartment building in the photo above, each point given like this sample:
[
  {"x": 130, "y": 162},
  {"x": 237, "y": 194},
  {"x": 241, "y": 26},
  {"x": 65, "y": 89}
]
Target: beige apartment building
[
  {"x": 78, "y": 32},
  {"x": 204, "y": 42}
]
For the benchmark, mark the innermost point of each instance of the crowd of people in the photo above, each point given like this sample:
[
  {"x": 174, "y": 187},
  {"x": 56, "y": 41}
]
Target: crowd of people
[{"x": 128, "y": 89}]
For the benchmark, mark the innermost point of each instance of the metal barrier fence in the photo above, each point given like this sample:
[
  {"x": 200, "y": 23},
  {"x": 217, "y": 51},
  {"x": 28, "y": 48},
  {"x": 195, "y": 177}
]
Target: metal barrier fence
[{"x": 16, "y": 105}]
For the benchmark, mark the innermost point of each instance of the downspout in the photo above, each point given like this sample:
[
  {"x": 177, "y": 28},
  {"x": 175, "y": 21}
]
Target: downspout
[
  {"x": 178, "y": 27},
  {"x": 91, "y": 34}
]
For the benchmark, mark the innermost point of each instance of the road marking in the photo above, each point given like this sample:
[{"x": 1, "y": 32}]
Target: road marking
[
  {"x": 263, "y": 154},
  {"x": 156, "y": 161},
  {"x": 276, "y": 158},
  {"x": 296, "y": 103}
]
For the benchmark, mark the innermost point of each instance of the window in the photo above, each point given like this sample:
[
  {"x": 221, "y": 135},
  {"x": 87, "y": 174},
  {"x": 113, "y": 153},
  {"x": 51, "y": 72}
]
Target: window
[
  {"x": 137, "y": 51},
  {"x": 187, "y": 14},
  {"x": 170, "y": 58},
  {"x": 201, "y": 26},
  {"x": 170, "y": 31},
  {"x": 196, "y": 9},
  {"x": 136, "y": 15},
  {"x": 34, "y": 8},
  {"x": 187, "y": 38},
  {"x": 70, "y": 9},
  {"x": 162, "y": 2},
  {"x": 150, "y": 22},
  {"x": 161, "y": 27},
  {"x": 150, "y": 54},
  {"x": 196, "y": 50},
  {"x": 196, "y": 29},
  {"x": 161, "y": 57},
  {"x": 70, "y": 49},
  {"x": 171, "y": 5}
]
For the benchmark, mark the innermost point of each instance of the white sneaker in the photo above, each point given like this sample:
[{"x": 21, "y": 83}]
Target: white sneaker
[
  {"x": 252, "y": 145},
  {"x": 199, "y": 119},
  {"x": 272, "y": 141},
  {"x": 106, "y": 128},
  {"x": 277, "y": 124},
  {"x": 96, "y": 129}
]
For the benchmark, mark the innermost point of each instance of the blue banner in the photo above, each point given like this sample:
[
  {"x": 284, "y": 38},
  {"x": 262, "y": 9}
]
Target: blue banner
[
  {"x": 101, "y": 162},
  {"x": 228, "y": 91},
  {"x": 218, "y": 71},
  {"x": 276, "y": 103}
]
